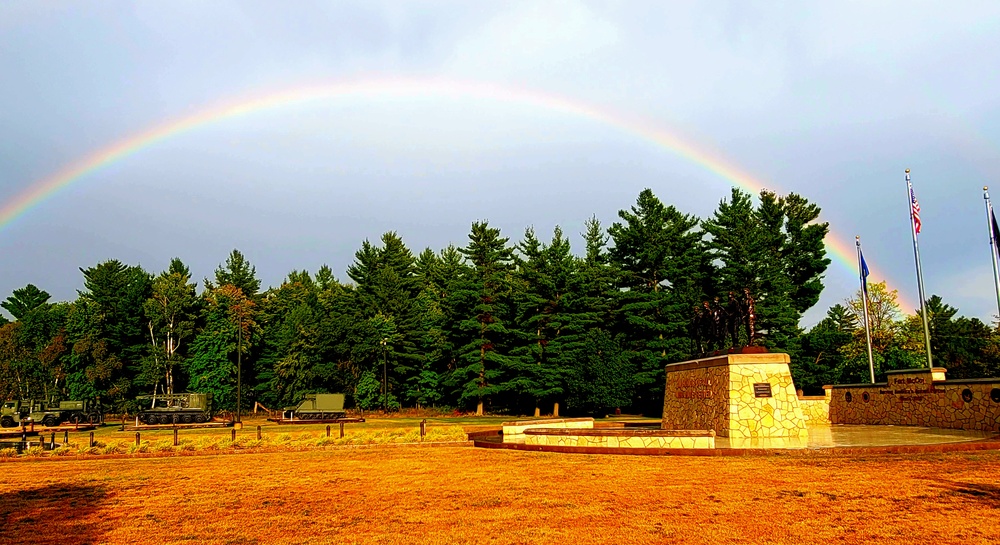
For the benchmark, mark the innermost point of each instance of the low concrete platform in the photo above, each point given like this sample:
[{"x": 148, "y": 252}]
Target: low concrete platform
[{"x": 821, "y": 440}]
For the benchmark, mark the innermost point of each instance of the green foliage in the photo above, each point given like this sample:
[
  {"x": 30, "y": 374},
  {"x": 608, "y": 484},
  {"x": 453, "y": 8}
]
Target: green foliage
[
  {"x": 543, "y": 321},
  {"x": 171, "y": 312},
  {"x": 25, "y": 300},
  {"x": 604, "y": 380},
  {"x": 490, "y": 325},
  {"x": 964, "y": 346},
  {"x": 238, "y": 272},
  {"x": 776, "y": 251},
  {"x": 110, "y": 343},
  {"x": 230, "y": 325},
  {"x": 483, "y": 301},
  {"x": 823, "y": 361},
  {"x": 368, "y": 394},
  {"x": 660, "y": 258}
]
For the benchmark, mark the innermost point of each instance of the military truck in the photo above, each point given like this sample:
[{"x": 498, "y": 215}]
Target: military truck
[
  {"x": 24, "y": 412},
  {"x": 184, "y": 408},
  {"x": 317, "y": 407},
  {"x": 80, "y": 412}
]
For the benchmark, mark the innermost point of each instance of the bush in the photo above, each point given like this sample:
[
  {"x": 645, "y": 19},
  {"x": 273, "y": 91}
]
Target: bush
[
  {"x": 368, "y": 394},
  {"x": 120, "y": 447}
]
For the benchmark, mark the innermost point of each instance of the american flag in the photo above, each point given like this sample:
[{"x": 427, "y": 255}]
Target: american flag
[{"x": 915, "y": 206}]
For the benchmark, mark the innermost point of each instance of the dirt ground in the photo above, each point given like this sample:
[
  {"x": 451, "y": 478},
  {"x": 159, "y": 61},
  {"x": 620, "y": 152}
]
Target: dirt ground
[{"x": 468, "y": 495}]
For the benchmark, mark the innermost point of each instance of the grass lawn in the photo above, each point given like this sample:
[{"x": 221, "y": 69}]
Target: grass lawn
[{"x": 467, "y": 495}]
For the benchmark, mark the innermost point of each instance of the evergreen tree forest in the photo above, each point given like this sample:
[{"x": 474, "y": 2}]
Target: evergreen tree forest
[{"x": 504, "y": 325}]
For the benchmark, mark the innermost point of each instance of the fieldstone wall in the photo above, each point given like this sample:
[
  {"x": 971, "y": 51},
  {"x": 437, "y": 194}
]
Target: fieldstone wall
[
  {"x": 696, "y": 397},
  {"x": 621, "y": 438},
  {"x": 919, "y": 397},
  {"x": 815, "y": 409},
  {"x": 736, "y": 395}
]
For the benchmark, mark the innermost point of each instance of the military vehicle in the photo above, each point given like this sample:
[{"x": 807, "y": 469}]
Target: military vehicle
[
  {"x": 80, "y": 412},
  {"x": 317, "y": 407},
  {"x": 176, "y": 408},
  {"x": 16, "y": 413}
]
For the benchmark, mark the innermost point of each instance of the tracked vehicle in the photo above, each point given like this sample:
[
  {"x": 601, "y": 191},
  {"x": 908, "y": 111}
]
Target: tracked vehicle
[
  {"x": 188, "y": 408},
  {"x": 317, "y": 407}
]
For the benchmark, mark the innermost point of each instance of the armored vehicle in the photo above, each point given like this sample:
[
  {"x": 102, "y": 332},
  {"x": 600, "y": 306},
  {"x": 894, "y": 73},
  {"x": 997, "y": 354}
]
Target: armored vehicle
[
  {"x": 317, "y": 407},
  {"x": 16, "y": 413},
  {"x": 176, "y": 408}
]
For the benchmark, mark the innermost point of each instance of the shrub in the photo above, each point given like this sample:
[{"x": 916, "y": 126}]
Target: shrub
[{"x": 120, "y": 447}]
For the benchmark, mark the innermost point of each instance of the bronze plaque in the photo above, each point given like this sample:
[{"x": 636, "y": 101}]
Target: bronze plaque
[{"x": 762, "y": 389}]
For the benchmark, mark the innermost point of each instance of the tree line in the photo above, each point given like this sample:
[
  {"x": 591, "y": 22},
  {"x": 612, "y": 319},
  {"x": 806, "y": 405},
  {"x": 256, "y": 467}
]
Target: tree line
[{"x": 494, "y": 325}]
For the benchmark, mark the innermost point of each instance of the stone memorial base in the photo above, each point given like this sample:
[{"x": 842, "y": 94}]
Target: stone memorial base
[
  {"x": 736, "y": 395},
  {"x": 919, "y": 397}
]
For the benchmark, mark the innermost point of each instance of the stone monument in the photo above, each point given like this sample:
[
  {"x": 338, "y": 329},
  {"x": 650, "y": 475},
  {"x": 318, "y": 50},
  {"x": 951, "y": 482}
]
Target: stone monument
[{"x": 743, "y": 396}]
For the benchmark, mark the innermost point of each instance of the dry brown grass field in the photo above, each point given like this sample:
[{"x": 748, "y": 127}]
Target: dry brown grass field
[{"x": 468, "y": 495}]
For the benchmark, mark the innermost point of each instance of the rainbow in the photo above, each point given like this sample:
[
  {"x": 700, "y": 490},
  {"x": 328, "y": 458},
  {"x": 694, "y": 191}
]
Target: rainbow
[{"x": 840, "y": 249}]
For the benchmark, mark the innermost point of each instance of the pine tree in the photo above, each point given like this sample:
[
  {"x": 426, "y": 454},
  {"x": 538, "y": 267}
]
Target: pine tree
[
  {"x": 482, "y": 306},
  {"x": 544, "y": 278},
  {"x": 112, "y": 338},
  {"x": 24, "y": 300},
  {"x": 237, "y": 271},
  {"x": 387, "y": 286},
  {"x": 660, "y": 255},
  {"x": 775, "y": 251},
  {"x": 292, "y": 362},
  {"x": 588, "y": 348}
]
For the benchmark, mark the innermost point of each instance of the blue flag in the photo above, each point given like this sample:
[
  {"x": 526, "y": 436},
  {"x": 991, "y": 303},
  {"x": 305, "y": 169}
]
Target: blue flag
[{"x": 864, "y": 273}]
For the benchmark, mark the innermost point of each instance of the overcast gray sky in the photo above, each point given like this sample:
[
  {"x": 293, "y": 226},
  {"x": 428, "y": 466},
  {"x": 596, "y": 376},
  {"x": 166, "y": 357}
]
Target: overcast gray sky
[{"x": 832, "y": 100}]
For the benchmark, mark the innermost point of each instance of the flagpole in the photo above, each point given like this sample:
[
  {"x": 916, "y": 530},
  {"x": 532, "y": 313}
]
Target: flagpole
[
  {"x": 920, "y": 274},
  {"x": 993, "y": 244},
  {"x": 864, "y": 301}
]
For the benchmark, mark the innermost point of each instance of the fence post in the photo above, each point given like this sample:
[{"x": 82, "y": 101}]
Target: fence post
[
  {"x": 423, "y": 428},
  {"x": 52, "y": 442},
  {"x": 91, "y": 439},
  {"x": 341, "y": 430},
  {"x": 258, "y": 433},
  {"x": 66, "y": 437},
  {"x": 234, "y": 435},
  {"x": 328, "y": 430},
  {"x": 136, "y": 438},
  {"x": 175, "y": 437}
]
